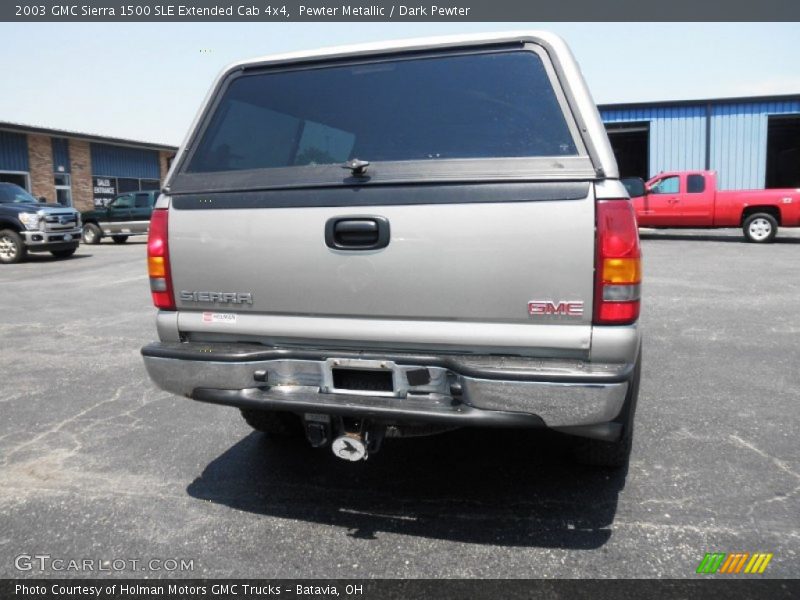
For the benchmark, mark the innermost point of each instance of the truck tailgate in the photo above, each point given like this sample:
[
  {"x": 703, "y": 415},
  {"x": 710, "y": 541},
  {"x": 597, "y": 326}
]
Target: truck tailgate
[{"x": 457, "y": 272}]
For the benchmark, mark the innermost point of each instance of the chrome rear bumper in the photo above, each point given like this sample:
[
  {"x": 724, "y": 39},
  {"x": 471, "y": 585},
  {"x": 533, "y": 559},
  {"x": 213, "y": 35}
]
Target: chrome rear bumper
[{"x": 579, "y": 397}]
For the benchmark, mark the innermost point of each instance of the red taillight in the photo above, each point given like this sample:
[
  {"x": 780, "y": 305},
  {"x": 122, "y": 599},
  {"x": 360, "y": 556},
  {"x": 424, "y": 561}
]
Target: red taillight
[
  {"x": 618, "y": 269},
  {"x": 158, "y": 261}
]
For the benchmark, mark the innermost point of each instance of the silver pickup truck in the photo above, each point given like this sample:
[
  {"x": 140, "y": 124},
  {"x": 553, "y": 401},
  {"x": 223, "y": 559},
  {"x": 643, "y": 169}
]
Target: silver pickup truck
[{"x": 402, "y": 238}]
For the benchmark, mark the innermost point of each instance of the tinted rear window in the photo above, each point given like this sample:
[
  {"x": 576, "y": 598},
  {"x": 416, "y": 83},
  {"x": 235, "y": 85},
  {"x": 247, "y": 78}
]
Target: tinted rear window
[
  {"x": 143, "y": 200},
  {"x": 470, "y": 106},
  {"x": 695, "y": 184}
]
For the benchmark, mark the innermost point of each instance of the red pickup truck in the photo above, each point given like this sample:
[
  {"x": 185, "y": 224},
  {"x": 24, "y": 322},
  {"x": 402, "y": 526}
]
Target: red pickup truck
[{"x": 691, "y": 199}]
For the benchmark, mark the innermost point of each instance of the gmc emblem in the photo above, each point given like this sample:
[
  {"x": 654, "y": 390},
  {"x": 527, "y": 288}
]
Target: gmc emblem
[{"x": 572, "y": 308}]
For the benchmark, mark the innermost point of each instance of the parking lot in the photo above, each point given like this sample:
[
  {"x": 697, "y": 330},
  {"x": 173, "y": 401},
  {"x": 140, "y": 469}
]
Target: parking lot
[{"x": 96, "y": 463}]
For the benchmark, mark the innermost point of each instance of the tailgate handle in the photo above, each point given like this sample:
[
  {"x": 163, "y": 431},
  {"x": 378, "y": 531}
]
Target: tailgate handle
[{"x": 357, "y": 233}]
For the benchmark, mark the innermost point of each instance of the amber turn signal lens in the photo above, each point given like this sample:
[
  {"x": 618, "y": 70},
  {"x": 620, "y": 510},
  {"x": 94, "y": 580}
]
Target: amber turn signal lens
[
  {"x": 155, "y": 266},
  {"x": 622, "y": 270}
]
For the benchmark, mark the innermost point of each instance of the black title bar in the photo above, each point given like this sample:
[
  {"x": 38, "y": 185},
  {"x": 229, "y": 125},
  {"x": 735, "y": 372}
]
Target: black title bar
[{"x": 390, "y": 10}]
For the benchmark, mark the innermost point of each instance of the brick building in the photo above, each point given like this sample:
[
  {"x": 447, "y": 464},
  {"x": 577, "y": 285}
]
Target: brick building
[{"x": 78, "y": 169}]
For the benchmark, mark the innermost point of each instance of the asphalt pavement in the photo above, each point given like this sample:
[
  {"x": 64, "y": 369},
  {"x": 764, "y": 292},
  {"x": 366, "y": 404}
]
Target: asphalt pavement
[{"x": 98, "y": 464}]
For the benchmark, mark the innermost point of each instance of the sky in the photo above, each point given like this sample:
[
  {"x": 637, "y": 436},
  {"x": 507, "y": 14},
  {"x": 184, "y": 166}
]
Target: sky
[{"x": 146, "y": 81}]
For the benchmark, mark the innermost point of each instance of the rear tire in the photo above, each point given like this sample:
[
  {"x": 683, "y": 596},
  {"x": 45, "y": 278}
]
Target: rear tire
[
  {"x": 92, "y": 234},
  {"x": 760, "y": 228},
  {"x": 274, "y": 423},
  {"x": 119, "y": 239},
  {"x": 614, "y": 455},
  {"x": 12, "y": 248},
  {"x": 63, "y": 253}
]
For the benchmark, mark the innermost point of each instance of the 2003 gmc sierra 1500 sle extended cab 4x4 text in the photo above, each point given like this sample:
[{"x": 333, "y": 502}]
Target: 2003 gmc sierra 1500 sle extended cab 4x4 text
[{"x": 402, "y": 238}]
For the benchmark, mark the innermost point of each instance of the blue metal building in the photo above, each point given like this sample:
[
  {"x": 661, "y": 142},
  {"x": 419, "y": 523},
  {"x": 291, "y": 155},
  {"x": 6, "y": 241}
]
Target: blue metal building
[
  {"x": 80, "y": 169},
  {"x": 752, "y": 142}
]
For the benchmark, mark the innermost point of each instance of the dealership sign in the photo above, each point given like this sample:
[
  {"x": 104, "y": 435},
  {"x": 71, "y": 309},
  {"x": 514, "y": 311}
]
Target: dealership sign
[{"x": 103, "y": 189}]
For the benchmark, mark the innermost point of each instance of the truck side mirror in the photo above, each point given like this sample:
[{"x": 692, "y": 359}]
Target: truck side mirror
[
  {"x": 42, "y": 199},
  {"x": 635, "y": 186}
]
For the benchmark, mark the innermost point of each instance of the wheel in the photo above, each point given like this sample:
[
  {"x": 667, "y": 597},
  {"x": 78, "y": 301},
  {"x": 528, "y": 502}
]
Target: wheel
[
  {"x": 760, "y": 228},
  {"x": 119, "y": 239},
  {"x": 598, "y": 453},
  {"x": 92, "y": 234},
  {"x": 274, "y": 423},
  {"x": 12, "y": 248},
  {"x": 63, "y": 253}
]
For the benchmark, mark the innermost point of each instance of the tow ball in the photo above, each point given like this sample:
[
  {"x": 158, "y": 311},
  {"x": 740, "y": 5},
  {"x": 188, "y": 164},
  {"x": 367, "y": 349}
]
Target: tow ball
[
  {"x": 353, "y": 439},
  {"x": 350, "y": 447}
]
